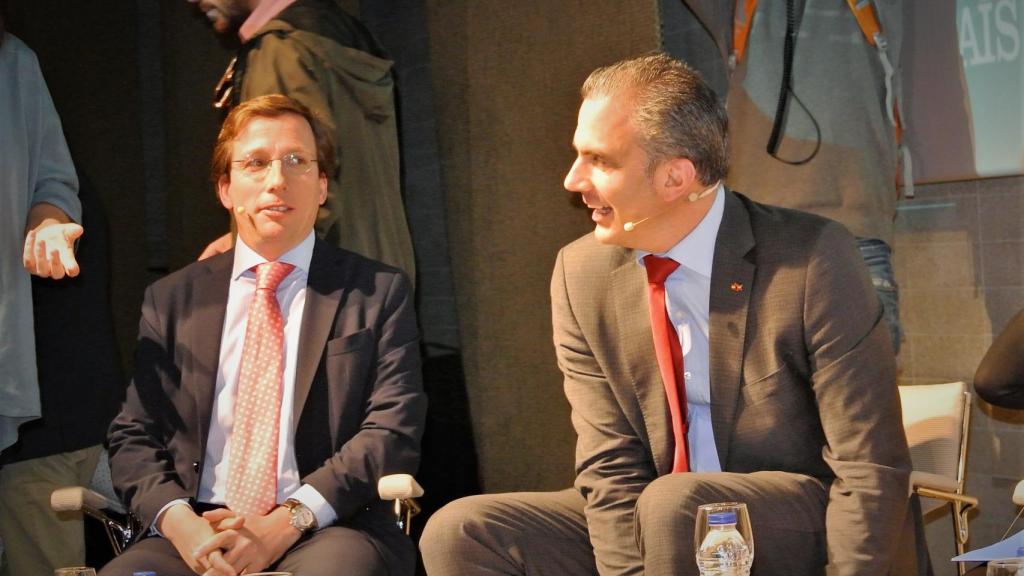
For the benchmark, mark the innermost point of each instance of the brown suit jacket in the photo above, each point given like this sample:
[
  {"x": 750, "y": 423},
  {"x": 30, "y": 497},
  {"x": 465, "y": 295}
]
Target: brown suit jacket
[
  {"x": 803, "y": 379},
  {"x": 359, "y": 402}
]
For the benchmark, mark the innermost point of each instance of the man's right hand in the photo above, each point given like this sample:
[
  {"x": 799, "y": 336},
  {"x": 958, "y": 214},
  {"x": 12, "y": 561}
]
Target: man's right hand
[
  {"x": 187, "y": 532},
  {"x": 218, "y": 246}
]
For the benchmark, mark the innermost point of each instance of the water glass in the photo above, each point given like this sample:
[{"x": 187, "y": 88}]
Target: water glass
[
  {"x": 1008, "y": 567},
  {"x": 709, "y": 518}
]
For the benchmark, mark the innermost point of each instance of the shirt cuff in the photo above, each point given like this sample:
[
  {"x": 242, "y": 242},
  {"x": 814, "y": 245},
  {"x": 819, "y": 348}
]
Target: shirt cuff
[
  {"x": 156, "y": 521},
  {"x": 324, "y": 512}
]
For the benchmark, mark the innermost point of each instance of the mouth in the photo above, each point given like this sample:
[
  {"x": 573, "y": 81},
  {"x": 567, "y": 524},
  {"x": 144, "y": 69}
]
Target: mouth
[
  {"x": 275, "y": 210},
  {"x": 600, "y": 212}
]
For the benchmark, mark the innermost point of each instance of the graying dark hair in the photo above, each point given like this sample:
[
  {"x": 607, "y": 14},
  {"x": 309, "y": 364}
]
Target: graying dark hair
[{"x": 675, "y": 112}]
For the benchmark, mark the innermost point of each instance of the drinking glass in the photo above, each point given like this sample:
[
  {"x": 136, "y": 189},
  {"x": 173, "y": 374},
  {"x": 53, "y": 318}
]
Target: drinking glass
[
  {"x": 742, "y": 525},
  {"x": 75, "y": 571},
  {"x": 1008, "y": 567}
]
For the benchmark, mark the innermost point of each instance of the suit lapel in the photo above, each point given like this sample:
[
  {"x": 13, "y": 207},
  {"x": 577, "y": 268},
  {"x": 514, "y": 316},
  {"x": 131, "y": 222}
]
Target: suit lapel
[
  {"x": 323, "y": 293},
  {"x": 629, "y": 284},
  {"x": 206, "y": 319},
  {"x": 732, "y": 280}
]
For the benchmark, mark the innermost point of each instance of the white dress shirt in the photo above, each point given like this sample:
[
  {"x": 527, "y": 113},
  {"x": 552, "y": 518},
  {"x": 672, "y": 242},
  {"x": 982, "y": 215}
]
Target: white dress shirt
[
  {"x": 688, "y": 301},
  {"x": 291, "y": 296}
]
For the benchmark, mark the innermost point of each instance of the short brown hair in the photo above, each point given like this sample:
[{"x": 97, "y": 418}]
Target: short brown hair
[
  {"x": 269, "y": 106},
  {"x": 676, "y": 113}
]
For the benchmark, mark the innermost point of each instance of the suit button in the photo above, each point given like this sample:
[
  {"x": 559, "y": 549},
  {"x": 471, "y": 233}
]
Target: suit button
[{"x": 195, "y": 467}]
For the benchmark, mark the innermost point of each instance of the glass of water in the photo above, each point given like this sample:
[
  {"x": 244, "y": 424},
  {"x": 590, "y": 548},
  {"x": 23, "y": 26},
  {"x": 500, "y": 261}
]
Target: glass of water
[{"x": 723, "y": 540}]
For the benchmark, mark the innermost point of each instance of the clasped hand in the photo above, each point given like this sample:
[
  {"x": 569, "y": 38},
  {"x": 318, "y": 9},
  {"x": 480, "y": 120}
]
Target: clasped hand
[{"x": 222, "y": 543}]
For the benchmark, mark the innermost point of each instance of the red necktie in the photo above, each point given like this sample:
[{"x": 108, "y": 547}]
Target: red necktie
[
  {"x": 669, "y": 353},
  {"x": 252, "y": 474}
]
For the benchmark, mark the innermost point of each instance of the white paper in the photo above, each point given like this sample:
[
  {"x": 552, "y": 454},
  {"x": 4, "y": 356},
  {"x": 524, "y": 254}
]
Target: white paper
[{"x": 1004, "y": 549}]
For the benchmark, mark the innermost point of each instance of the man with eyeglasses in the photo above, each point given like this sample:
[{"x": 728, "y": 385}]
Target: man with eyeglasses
[
  {"x": 274, "y": 384},
  {"x": 314, "y": 52}
]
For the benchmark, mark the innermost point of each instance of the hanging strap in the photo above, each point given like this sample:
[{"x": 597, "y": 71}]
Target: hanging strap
[{"x": 741, "y": 20}]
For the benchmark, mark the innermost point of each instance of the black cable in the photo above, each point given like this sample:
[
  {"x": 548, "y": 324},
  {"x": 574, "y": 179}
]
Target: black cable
[{"x": 786, "y": 89}]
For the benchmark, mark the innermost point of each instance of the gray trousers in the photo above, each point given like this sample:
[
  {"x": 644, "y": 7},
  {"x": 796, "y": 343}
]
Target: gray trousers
[{"x": 545, "y": 533}]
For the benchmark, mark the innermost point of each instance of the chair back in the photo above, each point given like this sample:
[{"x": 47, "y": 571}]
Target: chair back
[{"x": 936, "y": 418}]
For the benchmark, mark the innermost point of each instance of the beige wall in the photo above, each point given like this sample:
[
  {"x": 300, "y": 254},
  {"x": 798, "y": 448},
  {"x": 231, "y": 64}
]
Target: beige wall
[
  {"x": 507, "y": 76},
  {"x": 960, "y": 264}
]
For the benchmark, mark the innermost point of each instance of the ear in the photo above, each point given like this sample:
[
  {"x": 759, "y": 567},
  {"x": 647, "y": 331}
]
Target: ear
[
  {"x": 677, "y": 176},
  {"x": 323, "y": 189},
  {"x": 223, "y": 185}
]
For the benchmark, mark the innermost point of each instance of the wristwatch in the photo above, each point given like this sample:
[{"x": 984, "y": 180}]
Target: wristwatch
[{"x": 302, "y": 518}]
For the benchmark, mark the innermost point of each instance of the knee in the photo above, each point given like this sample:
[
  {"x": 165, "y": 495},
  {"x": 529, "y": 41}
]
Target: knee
[
  {"x": 457, "y": 523},
  {"x": 673, "y": 499}
]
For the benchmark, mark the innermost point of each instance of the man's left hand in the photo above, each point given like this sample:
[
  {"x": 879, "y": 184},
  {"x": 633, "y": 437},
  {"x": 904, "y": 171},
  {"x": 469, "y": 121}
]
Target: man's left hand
[{"x": 250, "y": 543}]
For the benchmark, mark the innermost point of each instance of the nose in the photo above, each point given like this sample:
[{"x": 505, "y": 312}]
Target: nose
[
  {"x": 274, "y": 179},
  {"x": 574, "y": 180}
]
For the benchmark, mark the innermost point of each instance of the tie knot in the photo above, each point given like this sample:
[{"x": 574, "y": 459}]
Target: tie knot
[
  {"x": 270, "y": 274},
  {"x": 659, "y": 268}
]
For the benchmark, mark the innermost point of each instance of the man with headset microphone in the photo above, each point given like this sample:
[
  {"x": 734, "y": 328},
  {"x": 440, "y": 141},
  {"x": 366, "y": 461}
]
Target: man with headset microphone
[{"x": 713, "y": 349}]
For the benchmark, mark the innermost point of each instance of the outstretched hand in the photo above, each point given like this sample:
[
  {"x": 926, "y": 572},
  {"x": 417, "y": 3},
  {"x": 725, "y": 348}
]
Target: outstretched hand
[{"x": 50, "y": 249}]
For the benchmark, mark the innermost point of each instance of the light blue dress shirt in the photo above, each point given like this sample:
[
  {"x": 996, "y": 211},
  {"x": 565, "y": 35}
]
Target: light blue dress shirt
[{"x": 688, "y": 301}]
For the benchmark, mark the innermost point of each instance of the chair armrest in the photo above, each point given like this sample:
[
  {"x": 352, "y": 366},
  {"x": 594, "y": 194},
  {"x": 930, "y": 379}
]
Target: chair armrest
[
  {"x": 933, "y": 481},
  {"x": 967, "y": 501},
  {"x": 78, "y": 498},
  {"x": 398, "y": 487}
]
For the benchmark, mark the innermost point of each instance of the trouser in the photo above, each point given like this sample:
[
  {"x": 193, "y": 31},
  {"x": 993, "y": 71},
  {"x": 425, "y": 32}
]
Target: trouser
[
  {"x": 546, "y": 533},
  {"x": 36, "y": 539},
  {"x": 878, "y": 258},
  {"x": 377, "y": 551}
]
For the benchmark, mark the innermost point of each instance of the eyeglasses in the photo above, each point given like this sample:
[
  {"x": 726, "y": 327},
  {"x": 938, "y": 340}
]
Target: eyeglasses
[{"x": 291, "y": 164}]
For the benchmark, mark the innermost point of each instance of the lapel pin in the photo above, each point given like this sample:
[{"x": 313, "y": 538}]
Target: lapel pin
[{"x": 736, "y": 287}]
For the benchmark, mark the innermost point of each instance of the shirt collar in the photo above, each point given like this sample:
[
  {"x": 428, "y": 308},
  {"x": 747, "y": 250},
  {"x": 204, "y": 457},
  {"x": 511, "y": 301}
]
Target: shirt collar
[
  {"x": 696, "y": 250},
  {"x": 245, "y": 257},
  {"x": 265, "y": 12}
]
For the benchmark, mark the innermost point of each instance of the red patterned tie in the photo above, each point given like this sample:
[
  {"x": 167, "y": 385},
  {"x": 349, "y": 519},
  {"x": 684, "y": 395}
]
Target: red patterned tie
[
  {"x": 669, "y": 353},
  {"x": 252, "y": 477}
]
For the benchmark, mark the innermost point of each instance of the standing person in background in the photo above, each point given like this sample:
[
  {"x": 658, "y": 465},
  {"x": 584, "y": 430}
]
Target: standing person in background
[
  {"x": 838, "y": 148},
  {"x": 314, "y": 52},
  {"x": 39, "y": 208}
]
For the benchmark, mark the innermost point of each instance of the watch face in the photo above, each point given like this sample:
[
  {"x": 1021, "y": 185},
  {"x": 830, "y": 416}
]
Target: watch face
[{"x": 303, "y": 518}]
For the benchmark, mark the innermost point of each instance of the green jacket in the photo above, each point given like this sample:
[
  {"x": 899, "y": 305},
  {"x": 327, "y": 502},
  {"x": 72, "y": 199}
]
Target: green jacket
[{"x": 315, "y": 53}]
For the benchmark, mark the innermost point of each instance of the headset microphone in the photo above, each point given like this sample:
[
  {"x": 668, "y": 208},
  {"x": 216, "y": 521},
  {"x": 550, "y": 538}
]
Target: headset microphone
[
  {"x": 693, "y": 197},
  {"x": 240, "y": 210},
  {"x": 629, "y": 226}
]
